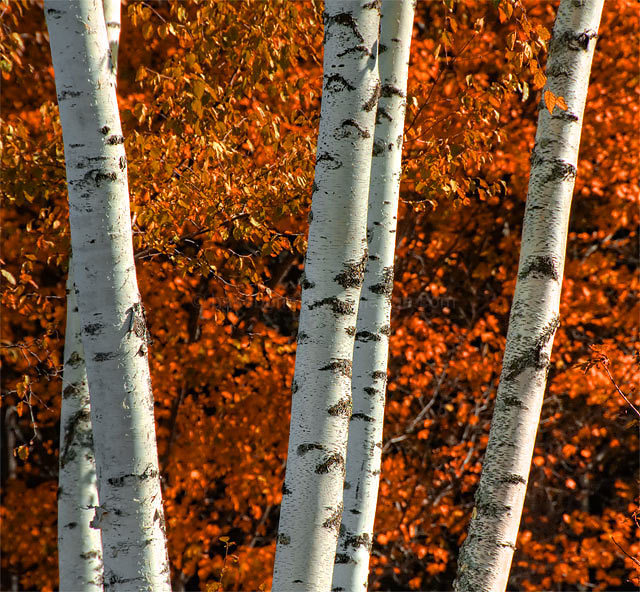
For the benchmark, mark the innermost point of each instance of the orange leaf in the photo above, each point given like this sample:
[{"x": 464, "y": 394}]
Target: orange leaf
[{"x": 549, "y": 100}]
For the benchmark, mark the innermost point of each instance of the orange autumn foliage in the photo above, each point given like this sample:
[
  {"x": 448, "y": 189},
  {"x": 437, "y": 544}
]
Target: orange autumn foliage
[{"x": 220, "y": 111}]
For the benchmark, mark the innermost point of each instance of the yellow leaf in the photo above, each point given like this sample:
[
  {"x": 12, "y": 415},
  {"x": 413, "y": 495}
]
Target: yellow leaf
[
  {"x": 198, "y": 89},
  {"x": 22, "y": 452},
  {"x": 543, "y": 33},
  {"x": 147, "y": 30},
  {"x": 8, "y": 277},
  {"x": 561, "y": 104}
]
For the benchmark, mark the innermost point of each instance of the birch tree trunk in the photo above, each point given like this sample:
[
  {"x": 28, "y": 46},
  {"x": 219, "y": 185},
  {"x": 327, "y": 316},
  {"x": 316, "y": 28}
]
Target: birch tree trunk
[
  {"x": 321, "y": 403},
  {"x": 485, "y": 557},
  {"x": 79, "y": 545},
  {"x": 351, "y": 570},
  {"x": 114, "y": 334}
]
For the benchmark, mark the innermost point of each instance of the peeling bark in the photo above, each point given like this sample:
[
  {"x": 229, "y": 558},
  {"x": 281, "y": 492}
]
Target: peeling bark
[{"x": 485, "y": 557}]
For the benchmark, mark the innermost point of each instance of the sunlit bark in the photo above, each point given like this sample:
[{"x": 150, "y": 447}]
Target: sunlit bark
[
  {"x": 371, "y": 348},
  {"x": 485, "y": 557},
  {"x": 321, "y": 406},
  {"x": 113, "y": 329}
]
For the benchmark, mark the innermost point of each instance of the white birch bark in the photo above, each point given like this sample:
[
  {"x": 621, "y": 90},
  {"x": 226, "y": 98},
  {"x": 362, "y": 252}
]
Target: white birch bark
[
  {"x": 362, "y": 478},
  {"x": 112, "y": 19},
  {"x": 79, "y": 545},
  {"x": 114, "y": 338},
  {"x": 321, "y": 391},
  {"x": 485, "y": 557}
]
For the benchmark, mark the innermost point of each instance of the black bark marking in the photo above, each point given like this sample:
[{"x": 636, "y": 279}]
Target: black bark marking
[
  {"x": 149, "y": 473},
  {"x": 534, "y": 357},
  {"x": 304, "y": 448},
  {"x": 333, "y": 522},
  {"x": 104, "y": 130},
  {"x": 104, "y": 356},
  {"x": 346, "y": 20},
  {"x": 339, "y": 367},
  {"x": 122, "y": 163},
  {"x": 73, "y": 434},
  {"x": 284, "y": 539},
  {"x": 358, "y": 540},
  {"x": 370, "y": 391},
  {"x": 561, "y": 170},
  {"x": 364, "y": 417},
  {"x": 338, "y": 306},
  {"x": 285, "y": 489},
  {"x": 575, "y": 42},
  {"x": 357, "y": 49},
  {"x": 74, "y": 360},
  {"x": 341, "y": 558},
  {"x": 302, "y": 336},
  {"x": 372, "y": 102},
  {"x": 490, "y": 508},
  {"x": 294, "y": 387},
  {"x": 341, "y": 409},
  {"x": 54, "y": 13},
  {"x": 68, "y": 94},
  {"x": 388, "y": 90},
  {"x": 115, "y": 140},
  {"x": 351, "y": 331},
  {"x": 76, "y": 146},
  {"x": 378, "y": 147},
  {"x": 374, "y": 4},
  {"x": 514, "y": 479},
  {"x": 564, "y": 115},
  {"x": 93, "y": 328},
  {"x": 386, "y": 286},
  {"x": 337, "y": 83},
  {"x": 513, "y": 402},
  {"x": 365, "y": 336},
  {"x": 539, "y": 265},
  {"x": 334, "y": 163},
  {"x": 105, "y": 177},
  {"x": 380, "y": 113},
  {"x": 352, "y": 274},
  {"x": 378, "y": 375},
  {"x": 69, "y": 390},
  {"x": 363, "y": 133},
  {"x": 305, "y": 283},
  {"x": 333, "y": 460}
]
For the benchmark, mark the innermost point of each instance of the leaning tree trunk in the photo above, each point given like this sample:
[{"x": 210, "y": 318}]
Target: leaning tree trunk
[
  {"x": 321, "y": 403},
  {"x": 79, "y": 545},
  {"x": 351, "y": 571},
  {"x": 485, "y": 557},
  {"x": 114, "y": 335}
]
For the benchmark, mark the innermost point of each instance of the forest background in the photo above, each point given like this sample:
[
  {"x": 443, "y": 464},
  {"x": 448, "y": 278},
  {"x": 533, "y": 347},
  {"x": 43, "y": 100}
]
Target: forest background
[{"x": 220, "y": 107}]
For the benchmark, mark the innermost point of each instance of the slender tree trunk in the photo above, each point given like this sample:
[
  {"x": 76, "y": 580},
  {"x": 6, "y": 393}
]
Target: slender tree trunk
[
  {"x": 79, "y": 545},
  {"x": 312, "y": 493},
  {"x": 351, "y": 571},
  {"x": 485, "y": 557},
  {"x": 114, "y": 333}
]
